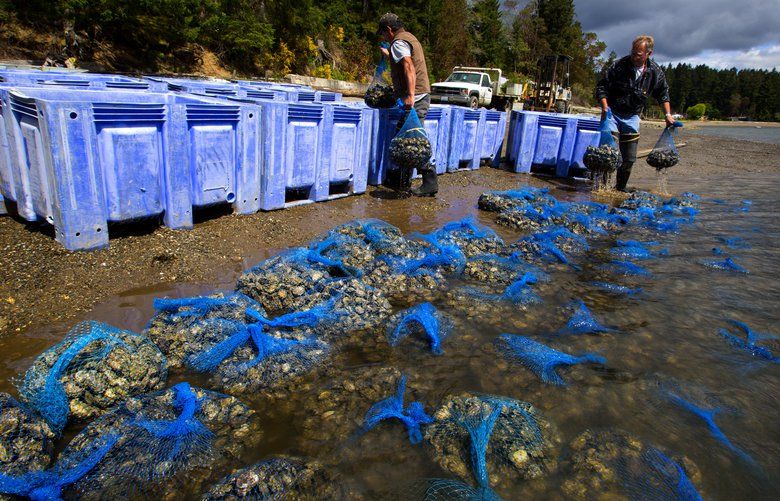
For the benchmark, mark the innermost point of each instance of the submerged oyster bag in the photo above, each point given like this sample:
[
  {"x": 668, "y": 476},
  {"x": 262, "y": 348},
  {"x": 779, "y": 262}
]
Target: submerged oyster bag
[
  {"x": 26, "y": 441},
  {"x": 278, "y": 478},
  {"x": 422, "y": 318},
  {"x": 512, "y": 441},
  {"x": 664, "y": 154},
  {"x": 159, "y": 439},
  {"x": 94, "y": 368},
  {"x": 410, "y": 148},
  {"x": 412, "y": 416},
  {"x": 612, "y": 464}
]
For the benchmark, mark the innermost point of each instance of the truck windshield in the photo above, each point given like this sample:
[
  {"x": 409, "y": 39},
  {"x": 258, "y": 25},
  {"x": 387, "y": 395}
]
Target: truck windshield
[{"x": 472, "y": 78}]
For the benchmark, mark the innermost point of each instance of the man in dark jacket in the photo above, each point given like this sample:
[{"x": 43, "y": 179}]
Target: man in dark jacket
[
  {"x": 624, "y": 88},
  {"x": 410, "y": 83}
]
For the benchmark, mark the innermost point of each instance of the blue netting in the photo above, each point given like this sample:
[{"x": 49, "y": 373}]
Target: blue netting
[
  {"x": 611, "y": 464},
  {"x": 201, "y": 306},
  {"x": 492, "y": 268},
  {"x": 159, "y": 435},
  {"x": 632, "y": 249},
  {"x": 617, "y": 288},
  {"x": 727, "y": 264},
  {"x": 539, "y": 358},
  {"x": 520, "y": 292},
  {"x": 329, "y": 252},
  {"x": 467, "y": 228},
  {"x": 47, "y": 485},
  {"x": 265, "y": 345},
  {"x": 707, "y": 414},
  {"x": 92, "y": 358},
  {"x": 626, "y": 268},
  {"x": 422, "y": 317},
  {"x": 492, "y": 440},
  {"x": 734, "y": 242},
  {"x": 717, "y": 251},
  {"x": 750, "y": 342},
  {"x": 441, "y": 489},
  {"x": 412, "y": 417},
  {"x": 26, "y": 441},
  {"x": 436, "y": 255},
  {"x": 583, "y": 322},
  {"x": 659, "y": 477},
  {"x": 276, "y": 479}
]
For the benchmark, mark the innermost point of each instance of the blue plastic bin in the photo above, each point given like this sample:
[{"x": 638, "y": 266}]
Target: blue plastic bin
[
  {"x": 78, "y": 79},
  {"x": 549, "y": 141},
  {"x": 317, "y": 96},
  {"x": 312, "y": 152},
  {"x": 80, "y": 158},
  {"x": 466, "y": 139},
  {"x": 493, "y": 132},
  {"x": 261, "y": 83}
]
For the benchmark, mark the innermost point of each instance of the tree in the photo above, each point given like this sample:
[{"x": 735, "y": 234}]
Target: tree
[
  {"x": 696, "y": 112},
  {"x": 450, "y": 47},
  {"x": 490, "y": 36}
]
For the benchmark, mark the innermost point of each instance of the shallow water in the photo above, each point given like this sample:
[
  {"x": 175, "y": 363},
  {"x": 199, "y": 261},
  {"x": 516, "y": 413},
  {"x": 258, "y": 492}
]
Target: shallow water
[
  {"x": 745, "y": 133},
  {"x": 670, "y": 331}
]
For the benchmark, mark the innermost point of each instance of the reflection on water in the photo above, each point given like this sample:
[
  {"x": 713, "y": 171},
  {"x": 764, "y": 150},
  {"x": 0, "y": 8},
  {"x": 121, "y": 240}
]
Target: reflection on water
[{"x": 669, "y": 332}]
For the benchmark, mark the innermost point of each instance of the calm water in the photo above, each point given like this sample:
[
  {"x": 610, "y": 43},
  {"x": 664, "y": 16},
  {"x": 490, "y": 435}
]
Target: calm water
[
  {"x": 670, "y": 331},
  {"x": 758, "y": 134}
]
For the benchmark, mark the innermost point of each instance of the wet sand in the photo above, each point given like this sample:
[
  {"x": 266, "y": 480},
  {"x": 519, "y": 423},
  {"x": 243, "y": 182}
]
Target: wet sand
[{"x": 42, "y": 283}]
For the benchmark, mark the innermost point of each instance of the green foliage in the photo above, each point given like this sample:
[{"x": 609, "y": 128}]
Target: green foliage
[
  {"x": 750, "y": 92},
  {"x": 489, "y": 34},
  {"x": 696, "y": 112}
]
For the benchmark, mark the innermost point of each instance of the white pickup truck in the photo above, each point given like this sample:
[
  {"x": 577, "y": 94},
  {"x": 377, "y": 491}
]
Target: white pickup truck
[{"x": 474, "y": 87}]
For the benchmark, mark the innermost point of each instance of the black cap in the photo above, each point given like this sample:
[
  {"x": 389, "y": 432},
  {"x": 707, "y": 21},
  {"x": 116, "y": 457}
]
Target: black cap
[{"x": 388, "y": 20}]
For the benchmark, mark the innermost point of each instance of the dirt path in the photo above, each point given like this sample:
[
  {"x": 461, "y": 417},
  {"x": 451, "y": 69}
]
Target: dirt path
[{"x": 41, "y": 283}]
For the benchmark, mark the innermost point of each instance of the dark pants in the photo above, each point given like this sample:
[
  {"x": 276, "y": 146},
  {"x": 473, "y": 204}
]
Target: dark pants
[
  {"x": 401, "y": 179},
  {"x": 628, "y": 148}
]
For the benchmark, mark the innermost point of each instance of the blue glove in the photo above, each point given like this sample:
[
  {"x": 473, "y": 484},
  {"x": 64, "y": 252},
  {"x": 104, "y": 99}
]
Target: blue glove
[{"x": 399, "y": 103}]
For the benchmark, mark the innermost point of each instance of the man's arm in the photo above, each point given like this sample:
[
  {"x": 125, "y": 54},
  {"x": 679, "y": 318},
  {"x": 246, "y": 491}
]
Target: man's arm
[
  {"x": 411, "y": 80},
  {"x": 661, "y": 93},
  {"x": 601, "y": 90}
]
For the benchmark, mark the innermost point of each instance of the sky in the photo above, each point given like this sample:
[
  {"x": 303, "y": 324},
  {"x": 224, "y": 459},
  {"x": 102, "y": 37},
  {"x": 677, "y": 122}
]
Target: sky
[{"x": 718, "y": 33}]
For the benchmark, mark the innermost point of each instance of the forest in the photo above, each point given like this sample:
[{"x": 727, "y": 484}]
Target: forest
[{"x": 336, "y": 39}]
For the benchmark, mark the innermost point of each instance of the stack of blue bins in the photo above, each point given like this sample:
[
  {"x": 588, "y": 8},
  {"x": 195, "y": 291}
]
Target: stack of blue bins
[
  {"x": 550, "y": 141},
  {"x": 84, "y": 150}
]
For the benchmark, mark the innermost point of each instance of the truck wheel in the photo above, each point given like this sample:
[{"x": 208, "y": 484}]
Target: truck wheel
[{"x": 473, "y": 102}]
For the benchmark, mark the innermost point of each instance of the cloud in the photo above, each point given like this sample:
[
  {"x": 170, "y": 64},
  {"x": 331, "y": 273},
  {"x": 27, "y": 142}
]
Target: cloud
[{"x": 720, "y": 33}]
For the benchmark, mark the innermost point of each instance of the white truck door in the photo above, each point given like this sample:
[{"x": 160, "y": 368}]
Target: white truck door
[{"x": 486, "y": 90}]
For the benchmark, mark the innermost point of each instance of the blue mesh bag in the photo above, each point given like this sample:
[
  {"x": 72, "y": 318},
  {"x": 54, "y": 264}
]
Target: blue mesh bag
[
  {"x": 541, "y": 359},
  {"x": 470, "y": 237},
  {"x": 583, "y": 322},
  {"x": 734, "y": 242},
  {"x": 26, "y": 441},
  {"x": 499, "y": 201},
  {"x": 626, "y": 268},
  {"x": 182, "y": 325},
  {"x": 617, "y": 289},
  {"x": 412, "y": 416},
  {"x": 47, "y": 485},
  {"x": 495, "y": 269},
  {"x": 704, "y": 407},
  {"x": 73, "y": 378},
  {"x": 410, "y": 148},
  {"x": 632, "y": 249},
  {"x": 518, "y": 292},
  {"x": 279, "y": 478},
  {"x": 664, "y": 154},
  {"x": 379, "y": 93},
  {"x": 611, "y": 464},
  {"x": 727, "y": 264},
  {"x": 749, "y": 341},
  {"x": 244, "y": 357},
  {"x": 165, "y": 442},
  {"x": 421, "y": 319},
  {"x": 605, "y": 157},
  {"x": 279, "y": 283},
  {"x": 491, "y": 440}
]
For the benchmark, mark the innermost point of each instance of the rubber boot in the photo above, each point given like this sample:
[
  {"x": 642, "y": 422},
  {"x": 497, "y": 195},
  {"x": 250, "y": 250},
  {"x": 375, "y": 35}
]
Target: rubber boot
[
  {"x": 628, "y": 148},
  {"x": 429, "y": 186}
]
